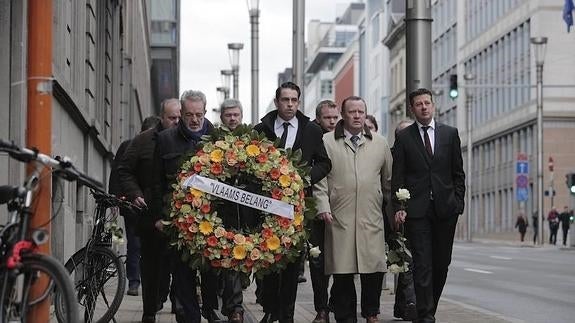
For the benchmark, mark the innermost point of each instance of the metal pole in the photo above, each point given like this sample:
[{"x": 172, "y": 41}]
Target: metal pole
[
  {"x": 254, "y": 21},
  {"x": 540, "y": 150},
  {"x": 418, "y": 45},
  {"x": 236, "y": 82},
  {"x": 298, "y": 45},
  {"x": 39, "y": 130},
  {"x": 468, "y": 100}
]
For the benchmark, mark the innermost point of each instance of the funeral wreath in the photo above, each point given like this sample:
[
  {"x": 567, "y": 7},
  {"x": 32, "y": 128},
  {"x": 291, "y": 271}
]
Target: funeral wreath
[{"x": 207, "y": 177}]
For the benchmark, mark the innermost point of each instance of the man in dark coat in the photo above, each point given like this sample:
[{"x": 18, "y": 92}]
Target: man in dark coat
[
  {"x": 172, "y": 145},
  {"x": 326, "y": 116},
  {"x": 427, "y": 161},
  {"x": 134, "y": 171},
  {"x": 130, "y": 219},
  {"x": 295, "y": 131}
]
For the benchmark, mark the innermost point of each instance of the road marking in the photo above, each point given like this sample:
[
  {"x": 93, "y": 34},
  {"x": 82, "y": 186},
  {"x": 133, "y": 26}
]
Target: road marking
[
  {"x": 500, "y": 257},
  {"x": 478, "y": 271}
]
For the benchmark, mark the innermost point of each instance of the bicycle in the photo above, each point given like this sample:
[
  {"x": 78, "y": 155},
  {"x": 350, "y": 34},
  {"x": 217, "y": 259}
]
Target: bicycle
[
  {"x": 98, "y": 272},
  {"x": 20, "y": 264}
]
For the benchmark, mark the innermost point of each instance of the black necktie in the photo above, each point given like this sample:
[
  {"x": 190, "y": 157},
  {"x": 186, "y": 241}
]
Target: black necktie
[
  {"x": 284, "y": 135},
  {"x": 427, "y": 141}
]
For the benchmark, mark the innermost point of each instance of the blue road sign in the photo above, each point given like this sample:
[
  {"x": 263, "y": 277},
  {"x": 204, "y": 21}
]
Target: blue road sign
[
  {"x": 522, "y": 167},
  {"x": 522, "y": 181},
  {"x": 522, "y": 194}
]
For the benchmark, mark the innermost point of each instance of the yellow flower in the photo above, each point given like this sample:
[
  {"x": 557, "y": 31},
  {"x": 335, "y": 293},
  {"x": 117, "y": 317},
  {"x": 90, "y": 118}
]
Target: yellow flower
[
  {"x": 196, "y": 193},
  {"x": 253, "y": 150},
  {"x": 239, "y": 252},
  {"x": 206, "y": 228},
  {"x": 217, "y": 155},
  {"x": 273, "y": 243},
  {"x": 285, "y": 180},
  {"x": 298, "y": 219}
]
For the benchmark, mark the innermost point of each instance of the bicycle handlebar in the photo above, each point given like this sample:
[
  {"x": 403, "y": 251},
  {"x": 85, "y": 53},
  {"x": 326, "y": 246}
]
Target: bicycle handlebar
[
  {"x": 63, "y": 168},
  {"x": 109, "y": 200}
]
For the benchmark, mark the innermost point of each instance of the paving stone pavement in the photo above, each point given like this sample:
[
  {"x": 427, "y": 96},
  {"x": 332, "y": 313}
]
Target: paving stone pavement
[{"x": 449, "y": 311}]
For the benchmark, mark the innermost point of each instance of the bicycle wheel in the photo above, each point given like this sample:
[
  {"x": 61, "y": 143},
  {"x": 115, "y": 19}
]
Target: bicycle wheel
[
  {"x": 17, "y": 300},
  {"x": 99, "y": 278}
]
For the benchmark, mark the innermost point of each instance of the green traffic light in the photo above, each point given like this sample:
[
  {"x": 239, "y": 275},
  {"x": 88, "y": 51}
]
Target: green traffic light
[{"x": 453, "y": 93}]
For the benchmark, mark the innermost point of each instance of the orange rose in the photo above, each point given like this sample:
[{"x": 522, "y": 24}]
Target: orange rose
[
  {"x": 275, "y": 173},
  {"x": 205, "y": 208},
  {"x": 212, "y": 241},
  {"x": 216, "y": 263},
  {"x": 216, "y": 169}
]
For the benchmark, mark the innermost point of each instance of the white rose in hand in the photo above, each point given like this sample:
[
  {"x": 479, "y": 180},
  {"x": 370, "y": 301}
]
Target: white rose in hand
[
  {"x": 402, "y": 194},
  {"x": 314, "y": 252}
]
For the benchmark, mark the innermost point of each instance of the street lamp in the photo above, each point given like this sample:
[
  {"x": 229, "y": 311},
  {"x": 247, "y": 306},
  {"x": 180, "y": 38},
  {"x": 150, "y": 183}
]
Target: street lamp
[
  {"x": 227, "y": 81},
  {"x": 234, "y": 52},
  {"x": 468, "y": 100},
  {"x": 253, "y": 8},
  {"x": 539, "y": 47},
  {"x": 222, "y": 93}
]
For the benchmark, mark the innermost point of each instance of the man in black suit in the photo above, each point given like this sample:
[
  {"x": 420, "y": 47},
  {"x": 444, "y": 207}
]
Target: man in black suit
[
  {"x": 295, "y": 131},
  {"x": 427, "y": 161}
]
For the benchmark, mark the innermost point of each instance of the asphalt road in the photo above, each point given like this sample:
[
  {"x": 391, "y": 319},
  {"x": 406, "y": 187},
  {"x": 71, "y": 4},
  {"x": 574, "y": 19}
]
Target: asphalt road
[{"x": 528, "y": 284}]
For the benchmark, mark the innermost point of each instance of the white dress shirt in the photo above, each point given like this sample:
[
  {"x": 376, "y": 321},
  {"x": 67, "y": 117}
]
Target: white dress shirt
[
  {"x": 279, "y": 130},
  {"x": 430, "y": 132}
]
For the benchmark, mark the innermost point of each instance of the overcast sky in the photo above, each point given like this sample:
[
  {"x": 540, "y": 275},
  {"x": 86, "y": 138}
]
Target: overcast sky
[{"x": 207, "y": 26}]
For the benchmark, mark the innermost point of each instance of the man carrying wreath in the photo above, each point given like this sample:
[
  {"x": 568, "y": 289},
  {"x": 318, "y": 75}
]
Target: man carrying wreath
[
  {"x": 172, "y": 145},
  {"x": 295, "y": 131}
]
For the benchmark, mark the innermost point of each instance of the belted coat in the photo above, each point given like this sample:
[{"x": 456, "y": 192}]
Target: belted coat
[{"x": 354, "y": 192}]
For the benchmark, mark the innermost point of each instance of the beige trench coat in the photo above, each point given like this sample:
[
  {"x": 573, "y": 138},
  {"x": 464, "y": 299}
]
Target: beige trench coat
[{"x": 353, "y": 192}]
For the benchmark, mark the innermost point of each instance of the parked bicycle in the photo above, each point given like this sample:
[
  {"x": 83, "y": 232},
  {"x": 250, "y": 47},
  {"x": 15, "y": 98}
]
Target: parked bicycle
[
  {"x": 21, "y": 266},
  {"x": 98, "y": 272}
]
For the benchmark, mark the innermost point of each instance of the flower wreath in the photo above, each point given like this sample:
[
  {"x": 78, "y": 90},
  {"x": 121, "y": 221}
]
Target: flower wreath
[{"x": 194, "y": 221}]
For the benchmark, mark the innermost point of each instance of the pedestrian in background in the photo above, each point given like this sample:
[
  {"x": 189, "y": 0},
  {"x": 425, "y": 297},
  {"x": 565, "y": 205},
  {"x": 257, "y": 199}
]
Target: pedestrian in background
[
  {"x": 350, "y": 201},
  {"x": 565, "y": 219},
  {"x": 521, "y": 225},
  {"x": 535, "y": 221},
  {"x": 427, "y": 161},
  {"x": 553, "y": 219}
]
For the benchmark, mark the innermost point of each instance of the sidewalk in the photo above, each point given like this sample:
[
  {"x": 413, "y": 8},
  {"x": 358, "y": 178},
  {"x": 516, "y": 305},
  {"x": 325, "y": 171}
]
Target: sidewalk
[{"x": 449, "y": 311}]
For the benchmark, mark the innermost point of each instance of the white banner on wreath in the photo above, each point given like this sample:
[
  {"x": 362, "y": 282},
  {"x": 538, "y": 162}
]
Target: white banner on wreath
[{"x": 234, "y": 194}]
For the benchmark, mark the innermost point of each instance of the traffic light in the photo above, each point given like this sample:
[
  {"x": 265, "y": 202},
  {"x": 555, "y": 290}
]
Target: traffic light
[
  {"x": 453, "y": 91},
  {"x": 570, "y": 181}
]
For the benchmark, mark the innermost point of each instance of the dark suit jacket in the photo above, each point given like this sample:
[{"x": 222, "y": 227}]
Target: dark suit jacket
[
  {"x": 114, "y": 183},
  {"x": 440, "y": 176},
  {"x": 309, "y": 139}
]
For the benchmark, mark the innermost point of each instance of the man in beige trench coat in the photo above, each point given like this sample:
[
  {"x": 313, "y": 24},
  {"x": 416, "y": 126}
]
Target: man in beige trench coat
[{"x": 350, "y": 201}]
